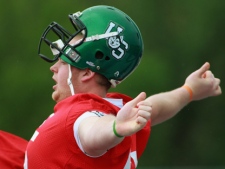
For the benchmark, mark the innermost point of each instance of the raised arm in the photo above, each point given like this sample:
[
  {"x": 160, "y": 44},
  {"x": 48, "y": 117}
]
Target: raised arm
[
  {"x": 98, "y": 134},
  {"x": 198, "y": 85}
]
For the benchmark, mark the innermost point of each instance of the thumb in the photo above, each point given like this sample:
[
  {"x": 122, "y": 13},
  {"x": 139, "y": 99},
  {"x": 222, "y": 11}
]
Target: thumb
[
  {"x": 201, "y": 71},
  {"x": 137, "y": 99}
]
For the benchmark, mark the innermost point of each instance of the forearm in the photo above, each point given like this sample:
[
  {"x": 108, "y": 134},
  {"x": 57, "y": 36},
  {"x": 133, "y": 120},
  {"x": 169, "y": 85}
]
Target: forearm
[
  {"x": 166, "y": 105},
  {"x": 200, "y": 85}
]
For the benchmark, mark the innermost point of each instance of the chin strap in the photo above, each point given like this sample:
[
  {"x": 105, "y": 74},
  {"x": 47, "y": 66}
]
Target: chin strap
[{"x": 69, "y": 81}]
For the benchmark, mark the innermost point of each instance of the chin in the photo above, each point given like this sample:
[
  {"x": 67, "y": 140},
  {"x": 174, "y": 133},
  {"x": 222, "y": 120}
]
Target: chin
[{"x": 55, "y": 96}]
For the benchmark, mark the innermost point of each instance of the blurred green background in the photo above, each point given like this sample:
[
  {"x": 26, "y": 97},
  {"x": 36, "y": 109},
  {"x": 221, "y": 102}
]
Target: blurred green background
[{"x": 179, "y": 36}]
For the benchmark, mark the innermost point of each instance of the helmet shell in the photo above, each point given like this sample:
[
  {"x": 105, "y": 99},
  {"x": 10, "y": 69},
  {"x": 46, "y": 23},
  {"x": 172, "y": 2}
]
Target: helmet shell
[{"x": 113, "y": 57}]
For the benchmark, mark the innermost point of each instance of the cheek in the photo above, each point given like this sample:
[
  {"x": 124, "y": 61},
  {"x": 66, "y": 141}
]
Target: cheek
[
  {"x": 62, "y": 81},
  {"x": 62, "y": 76},
  {"x": 63, "y": 90}
]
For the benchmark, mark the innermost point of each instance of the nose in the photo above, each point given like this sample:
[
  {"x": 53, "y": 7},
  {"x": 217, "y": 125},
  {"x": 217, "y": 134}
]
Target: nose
[{"x": 53, "y": 68}]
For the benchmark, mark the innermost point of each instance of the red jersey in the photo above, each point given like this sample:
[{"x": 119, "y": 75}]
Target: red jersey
[
  {"x": 53, "y": 146},
  {"x": 12, "y": 151}
]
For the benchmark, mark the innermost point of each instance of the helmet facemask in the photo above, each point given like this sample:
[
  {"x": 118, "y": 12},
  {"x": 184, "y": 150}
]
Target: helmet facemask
[{"x": 58, "y": 39}]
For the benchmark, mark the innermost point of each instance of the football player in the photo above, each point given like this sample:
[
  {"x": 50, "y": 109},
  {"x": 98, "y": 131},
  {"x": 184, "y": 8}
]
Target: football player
[{"x": 91, "y": 128}]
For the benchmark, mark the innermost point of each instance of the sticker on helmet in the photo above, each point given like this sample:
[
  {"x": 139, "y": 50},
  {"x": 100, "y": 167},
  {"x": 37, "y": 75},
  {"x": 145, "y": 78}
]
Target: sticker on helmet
[
  {"x": 90, "y": 63},
  {"x": 117, "y": 44},
  {"x": 73, "y": 55},
  {"x": 114, "y": 42},
  {"x": 117, "y": 73}
]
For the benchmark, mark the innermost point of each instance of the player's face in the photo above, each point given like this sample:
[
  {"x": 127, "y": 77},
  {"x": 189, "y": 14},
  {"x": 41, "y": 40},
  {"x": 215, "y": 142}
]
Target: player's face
[
  {"x": 60, "y": 76},
  {"x": 61, "y": 89}
]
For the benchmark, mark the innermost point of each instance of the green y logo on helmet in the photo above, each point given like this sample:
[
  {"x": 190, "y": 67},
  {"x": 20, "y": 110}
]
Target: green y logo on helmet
[{"x": 115, "y": 42}]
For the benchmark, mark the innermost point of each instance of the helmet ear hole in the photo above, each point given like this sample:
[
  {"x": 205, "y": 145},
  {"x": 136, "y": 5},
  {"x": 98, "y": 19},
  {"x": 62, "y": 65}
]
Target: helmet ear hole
[{"x": 99, "y": 55}]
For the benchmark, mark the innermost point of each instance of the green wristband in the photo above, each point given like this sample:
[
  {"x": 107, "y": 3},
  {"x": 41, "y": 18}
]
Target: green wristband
[{"x": 114, "y": 130}]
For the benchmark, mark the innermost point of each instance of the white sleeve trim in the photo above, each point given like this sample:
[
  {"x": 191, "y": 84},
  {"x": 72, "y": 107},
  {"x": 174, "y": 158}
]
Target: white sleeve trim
[{"x": 77, "y": 123}]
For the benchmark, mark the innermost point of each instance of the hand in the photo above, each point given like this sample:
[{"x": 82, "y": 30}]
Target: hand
[
  {"x": 133, "y": 116},
  {"x": 203, "y": 83}
]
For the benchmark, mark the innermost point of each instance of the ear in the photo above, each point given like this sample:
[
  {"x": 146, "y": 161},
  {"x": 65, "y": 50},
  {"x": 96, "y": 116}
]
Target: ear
[{"x": 87, "y": 74}]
